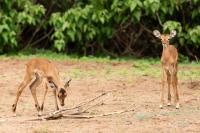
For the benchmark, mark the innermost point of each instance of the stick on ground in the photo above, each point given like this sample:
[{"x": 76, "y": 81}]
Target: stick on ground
[
  {"x": 94, "y": 116},
  {"x": 80, "y": 104},
  {"x": 79, "y": 114}
]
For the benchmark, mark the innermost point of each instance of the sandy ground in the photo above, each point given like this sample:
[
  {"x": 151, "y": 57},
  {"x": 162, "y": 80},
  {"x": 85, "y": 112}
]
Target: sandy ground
[{"x": 142, "y": 92}]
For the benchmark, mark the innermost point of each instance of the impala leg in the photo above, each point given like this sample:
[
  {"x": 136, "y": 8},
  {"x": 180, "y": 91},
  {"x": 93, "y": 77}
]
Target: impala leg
[
  {"x": 176, "y": 94},
  {"x": 21, "y": 87},
  {"x": 45, "y": 93},
  {"x": 162, "y": 89},
  {"x": 33, "y": 87},
  {"x": 55, "y": 98},
  {"x": 169, "y": 83}
]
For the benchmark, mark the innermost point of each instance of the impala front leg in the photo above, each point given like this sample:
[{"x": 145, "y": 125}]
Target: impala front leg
[
  {"x": 55, "y": 98},
  {"x": 162, "y": 89},
  {"x": 45, "y": 93},
  {"x": 169, "y": 83}
]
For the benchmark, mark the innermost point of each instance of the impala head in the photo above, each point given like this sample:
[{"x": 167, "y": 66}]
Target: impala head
[
  {"x": 62, "y": 94},
  {"x": 164, "y": 37}
]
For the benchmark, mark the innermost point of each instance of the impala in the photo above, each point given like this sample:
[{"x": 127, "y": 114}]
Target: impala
[
  {"x": 169, "y": 61},
  {"x": 38, "y": 70}
]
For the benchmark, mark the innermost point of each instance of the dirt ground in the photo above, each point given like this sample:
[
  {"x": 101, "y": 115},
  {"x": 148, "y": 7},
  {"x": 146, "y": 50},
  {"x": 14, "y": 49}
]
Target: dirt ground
[{"x": 143, "y": 92}]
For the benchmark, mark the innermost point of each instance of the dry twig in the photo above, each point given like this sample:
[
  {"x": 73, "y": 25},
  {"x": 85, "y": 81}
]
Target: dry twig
[
  {"x": 60, "y": 113},
  {"x": 100, "y": 115},
  {"x": 81, "y": 104},
  {"x": 79, "y": 116}
]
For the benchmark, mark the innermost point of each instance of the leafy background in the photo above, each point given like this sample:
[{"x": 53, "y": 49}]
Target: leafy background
[{"x": 99, "y": 27}]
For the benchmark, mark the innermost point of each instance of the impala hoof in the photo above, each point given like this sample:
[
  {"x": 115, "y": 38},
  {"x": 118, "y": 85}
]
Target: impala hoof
[
  {"x": 169, "y": 104},
  {"x": 13, "y": 108},
  {"x": 39, "y": 113},
  {"x": 51, "y": 114},
  {"x": 14, "y": 114},
  {"x": 177, "y": 106},
  {"x": 55, "y": 112}
]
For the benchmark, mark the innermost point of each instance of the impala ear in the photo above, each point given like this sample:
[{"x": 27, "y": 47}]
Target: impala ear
[
  {"x": 156, "y": 33},
  {"x": 67, "y": 83},
  {"x": 172, "y": 34}
]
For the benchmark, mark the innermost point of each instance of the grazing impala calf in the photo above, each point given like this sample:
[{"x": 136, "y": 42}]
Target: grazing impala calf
[
  {"x": 169, "y": 61},
  {"x": 38, "y": 70}
]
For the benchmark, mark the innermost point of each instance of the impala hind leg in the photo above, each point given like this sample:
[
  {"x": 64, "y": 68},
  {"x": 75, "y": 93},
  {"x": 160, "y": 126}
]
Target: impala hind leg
[
  {"x": 33, "y": 87},
  {"x": 21, "y": 87},
  {"x": 176, "y": 94},
  {"x": 169, "y": 83}
]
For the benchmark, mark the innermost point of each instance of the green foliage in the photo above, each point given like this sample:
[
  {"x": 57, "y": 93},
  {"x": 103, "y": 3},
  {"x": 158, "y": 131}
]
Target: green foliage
[
  {"x": 172, "y": 25},
  {"x": 97, "y": 20},
  {"x": 78, "y": 25},
  {"x": 30, "y": 14},
  {"x": 12, "y": 20},
  {"x": 109, "y": 26},
  {"x": 194, "y": 35},
  {"x": 92, "y": 22},
  {"x": 7, "y": 31},
  {"x": 151, "y": 6}
]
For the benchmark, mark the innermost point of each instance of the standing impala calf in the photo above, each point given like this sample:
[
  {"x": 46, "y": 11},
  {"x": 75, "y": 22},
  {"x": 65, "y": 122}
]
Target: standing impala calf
[
  {"x": 169, "y": 61},
  {"x": 36, "y": 70}
]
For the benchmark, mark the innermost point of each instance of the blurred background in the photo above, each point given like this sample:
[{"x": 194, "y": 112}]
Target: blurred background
[{"x": 115, "y": 28}]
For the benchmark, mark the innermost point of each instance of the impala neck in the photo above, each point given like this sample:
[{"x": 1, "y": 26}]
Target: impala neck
[
  {"x": 165, "y": 45},
  {"x": 59, "y": 84}
]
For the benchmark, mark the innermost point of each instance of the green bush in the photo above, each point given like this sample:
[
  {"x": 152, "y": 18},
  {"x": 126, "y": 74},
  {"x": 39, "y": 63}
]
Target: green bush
[
  {"x": 114, "y": 27},
  {"x": 14, "y": 16}
]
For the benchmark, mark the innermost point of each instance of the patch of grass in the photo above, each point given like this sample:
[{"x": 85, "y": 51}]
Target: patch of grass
[
  {"x": 140, "y": 66},
  {"x": 143, "y": 116},
  {"x": 183, "y": 124},
  {"x": 190, "y": 74},
  {"x": 28, "y": 54},
  {"x": 53, "y": 56},
  {"x": 79, "y": 74}
]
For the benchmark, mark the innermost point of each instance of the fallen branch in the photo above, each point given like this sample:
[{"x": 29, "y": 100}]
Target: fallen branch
[
  {"x": 94, "y": 116},
  {"x": 84, "y": 103},
  {"x": 79, "y": 116},
  {"x": 80, "y": 104},
  {"x": 85, "y": 110},
  {"x": 60, "y": 113}
]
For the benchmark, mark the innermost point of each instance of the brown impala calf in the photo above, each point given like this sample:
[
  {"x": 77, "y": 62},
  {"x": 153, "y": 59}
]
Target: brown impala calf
[
  {"x": 36, "y": 70},
  {"x": 169, "y": 61}
]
